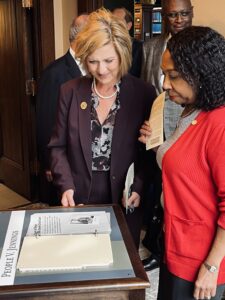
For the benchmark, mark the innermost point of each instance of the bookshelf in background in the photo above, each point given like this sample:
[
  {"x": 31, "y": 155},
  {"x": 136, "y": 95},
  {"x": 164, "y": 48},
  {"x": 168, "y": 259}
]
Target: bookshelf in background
[
  {"x": 147, "y": 21},
  {"x": 156, "y": 21},
  {"x": 138, "y": 21}
]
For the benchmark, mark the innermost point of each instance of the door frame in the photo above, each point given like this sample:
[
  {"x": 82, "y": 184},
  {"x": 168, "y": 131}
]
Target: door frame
[{"x": 34, "y": 29}]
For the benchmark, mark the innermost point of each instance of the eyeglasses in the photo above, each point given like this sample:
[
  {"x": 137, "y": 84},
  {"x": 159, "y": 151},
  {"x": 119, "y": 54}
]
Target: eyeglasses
[{"x": 183, "y": 14}]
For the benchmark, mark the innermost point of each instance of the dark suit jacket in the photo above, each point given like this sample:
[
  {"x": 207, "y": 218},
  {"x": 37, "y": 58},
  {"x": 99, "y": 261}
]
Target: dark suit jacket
[
  {"x": 71, "y": 156},
  {"x": 58, "y": 72},
  {"x": 135, "y": 69}
]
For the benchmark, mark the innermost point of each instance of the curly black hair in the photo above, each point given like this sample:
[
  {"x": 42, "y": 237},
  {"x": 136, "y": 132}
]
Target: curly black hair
[{"x": 198, "y": 54}]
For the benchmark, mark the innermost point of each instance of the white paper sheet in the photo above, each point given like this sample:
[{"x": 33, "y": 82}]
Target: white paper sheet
[
  {"x": 69, "y": 223},
  {"x": 128, "y": 183}
]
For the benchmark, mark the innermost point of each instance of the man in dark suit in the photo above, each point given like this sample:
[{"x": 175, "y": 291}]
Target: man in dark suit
[
  {"x": 57, "y": 73},
  {"x": 123, "y": 13}
]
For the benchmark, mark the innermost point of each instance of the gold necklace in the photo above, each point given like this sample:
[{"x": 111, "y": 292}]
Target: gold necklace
[{"x": 188, "y": 113}]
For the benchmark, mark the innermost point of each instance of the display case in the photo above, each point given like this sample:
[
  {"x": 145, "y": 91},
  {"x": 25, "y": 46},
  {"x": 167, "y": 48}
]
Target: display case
[{"x": 125, "y": 278}]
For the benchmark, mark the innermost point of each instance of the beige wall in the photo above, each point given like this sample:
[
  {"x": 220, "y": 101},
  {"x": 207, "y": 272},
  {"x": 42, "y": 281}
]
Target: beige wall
[
  {"x": 64, "y": 12},
  {"x": 210, "y": 13},
  {"x": 206, "y": 13}
]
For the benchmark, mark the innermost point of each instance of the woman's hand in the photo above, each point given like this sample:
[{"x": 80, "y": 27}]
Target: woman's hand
[
  {"x": 134, "y": 200},
  {"x": 205, "y": 285},
  {"x": 145, "y": 132},
  {"x": 67, "y": 198}
]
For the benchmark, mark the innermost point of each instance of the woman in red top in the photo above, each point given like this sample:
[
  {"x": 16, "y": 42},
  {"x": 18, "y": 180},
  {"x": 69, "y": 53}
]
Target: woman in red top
[{"x": 193, "y": 167}]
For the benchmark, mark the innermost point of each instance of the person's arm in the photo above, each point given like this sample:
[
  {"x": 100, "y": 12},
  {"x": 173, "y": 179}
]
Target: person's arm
[
  {"x": 60, "y": 166},
  {"x": 206, "y": 283}
]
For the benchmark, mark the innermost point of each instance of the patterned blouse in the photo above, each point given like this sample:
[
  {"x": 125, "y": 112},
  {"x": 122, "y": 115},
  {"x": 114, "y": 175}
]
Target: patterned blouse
[{"x": 102, "y": 135}]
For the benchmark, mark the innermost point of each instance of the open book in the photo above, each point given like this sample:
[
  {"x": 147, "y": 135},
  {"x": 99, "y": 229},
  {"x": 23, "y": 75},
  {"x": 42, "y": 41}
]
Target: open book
[
  {"x": 65, "y": 252},
  {"x": 64, "y": 241}
]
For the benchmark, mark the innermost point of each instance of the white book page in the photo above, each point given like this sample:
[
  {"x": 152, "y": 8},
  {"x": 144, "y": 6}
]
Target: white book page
[
  {"x": 65, "y": 252},
  {"x": 69, "y": 223}
]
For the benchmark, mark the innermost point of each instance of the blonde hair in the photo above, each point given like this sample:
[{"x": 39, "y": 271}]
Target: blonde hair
[{"x": 101, "y": 29}]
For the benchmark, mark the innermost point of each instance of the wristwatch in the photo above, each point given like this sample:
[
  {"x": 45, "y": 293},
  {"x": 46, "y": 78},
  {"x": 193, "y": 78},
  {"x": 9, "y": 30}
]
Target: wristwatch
[{"x": 212, "y": 269}]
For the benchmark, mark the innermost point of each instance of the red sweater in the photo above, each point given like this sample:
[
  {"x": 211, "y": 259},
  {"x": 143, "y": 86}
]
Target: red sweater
[{"x": 194, "y": 194}]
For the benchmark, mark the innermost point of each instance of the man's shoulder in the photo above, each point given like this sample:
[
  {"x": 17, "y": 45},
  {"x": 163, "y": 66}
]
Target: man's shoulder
[
  {"x": 60, "y": 62},
  {"x": 60, "y": 70}
]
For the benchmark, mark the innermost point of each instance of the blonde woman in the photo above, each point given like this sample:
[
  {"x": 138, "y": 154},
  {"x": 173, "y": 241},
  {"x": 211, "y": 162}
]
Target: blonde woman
[{"x": 98, "y": 121}]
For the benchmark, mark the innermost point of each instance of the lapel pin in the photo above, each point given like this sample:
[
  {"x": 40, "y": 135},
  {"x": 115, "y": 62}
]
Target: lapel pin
[
  {"x": 83, "y": 105},
  {"x": 194, "y": 122}
]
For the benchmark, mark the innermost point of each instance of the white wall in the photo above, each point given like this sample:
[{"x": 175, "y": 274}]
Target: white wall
[
  {"x": 64, "y": 12},
  {"x": 210, "y": 13}
]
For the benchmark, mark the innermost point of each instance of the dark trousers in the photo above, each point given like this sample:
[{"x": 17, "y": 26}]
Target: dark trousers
[
  {"x": 134, "y": 222},
  {"x": 172, "y": 287},
  {"x": 154, "y": 215},
  {"x": 47, "y": 192},
  {"x": 101, "y": 194},
  {"x": 100, "y": 188}
]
